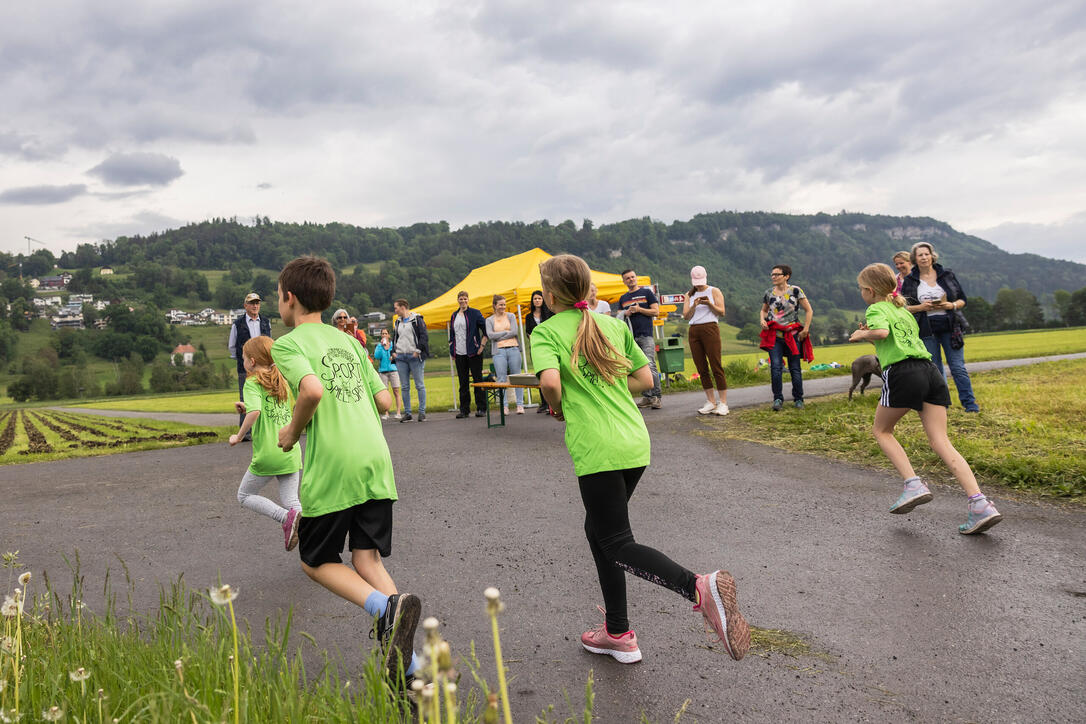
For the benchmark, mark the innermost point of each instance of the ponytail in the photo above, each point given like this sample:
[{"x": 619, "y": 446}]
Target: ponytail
[
  {"x": 267, "y": 375},
  {"x": 568, "y": 277},
  {"x": 880, "y": 279}
]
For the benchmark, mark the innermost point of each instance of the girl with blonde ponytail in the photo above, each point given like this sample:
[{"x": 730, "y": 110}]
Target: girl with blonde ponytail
[
  {"x": 910, "y": 381},
  {"x": 588, "y": 366},
  {"x": 266, "y": 406}
]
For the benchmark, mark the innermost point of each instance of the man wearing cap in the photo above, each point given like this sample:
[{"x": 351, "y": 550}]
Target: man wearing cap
[{"x": 248, "y": 325}]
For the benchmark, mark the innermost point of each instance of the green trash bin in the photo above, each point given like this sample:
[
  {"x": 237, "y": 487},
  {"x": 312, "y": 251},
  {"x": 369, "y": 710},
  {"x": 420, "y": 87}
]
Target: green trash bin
[{"x": 670, "y": 357}]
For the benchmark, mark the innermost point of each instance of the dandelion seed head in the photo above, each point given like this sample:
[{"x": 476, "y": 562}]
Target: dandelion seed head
[
  {"x": 53, "y": 713},
  {"x": 430, "y": 623},
  {"x": 223, "y": 594},
  {"x": 177, "y": 664},
  {"x": 79, "y": 674},
  {"x": 24, "y": 579},
  {"x": 10, "y": 609},
  {"x": 492, "y": 594},
  {"x": 101, "y": 694}
]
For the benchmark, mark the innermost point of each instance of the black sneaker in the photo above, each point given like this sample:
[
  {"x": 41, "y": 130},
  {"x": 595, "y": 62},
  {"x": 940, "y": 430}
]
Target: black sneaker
[
  {"x": 479, "y": 413},
  {"x": 422, "y": 417},
  {"x": 407, "y": 417},
  {"x": 395, "y": 629},
  {"x": 777, "y": 405},
  {"x": 461, "y": 415}
]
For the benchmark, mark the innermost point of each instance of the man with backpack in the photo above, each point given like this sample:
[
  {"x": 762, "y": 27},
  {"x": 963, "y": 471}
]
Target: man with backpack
[{"x": 410, "y": 348}]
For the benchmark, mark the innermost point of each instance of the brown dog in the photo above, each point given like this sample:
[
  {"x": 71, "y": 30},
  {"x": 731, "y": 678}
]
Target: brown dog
[{"x": 864, "y": 367}]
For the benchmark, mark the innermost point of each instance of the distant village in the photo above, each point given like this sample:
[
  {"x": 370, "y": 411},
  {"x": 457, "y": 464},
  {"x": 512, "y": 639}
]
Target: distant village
[{"x": 69, "y": 314}]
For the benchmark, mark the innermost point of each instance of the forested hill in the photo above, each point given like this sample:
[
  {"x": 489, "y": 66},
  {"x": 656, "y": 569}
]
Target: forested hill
[{"x": 738, "y": 249}]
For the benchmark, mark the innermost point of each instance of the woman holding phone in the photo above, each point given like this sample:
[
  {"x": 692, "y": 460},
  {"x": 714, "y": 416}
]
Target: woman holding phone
[{"x": 703, "y": 308}]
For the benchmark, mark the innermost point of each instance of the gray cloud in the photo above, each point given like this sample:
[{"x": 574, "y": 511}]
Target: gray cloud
[
  {"x": 1063, "y": 240},
  {"x": 143, "y": 222},
  {"x": 136, "y": 169},
  {"x": 264, "y": 186},
  {"x": 42, "y": 195}
]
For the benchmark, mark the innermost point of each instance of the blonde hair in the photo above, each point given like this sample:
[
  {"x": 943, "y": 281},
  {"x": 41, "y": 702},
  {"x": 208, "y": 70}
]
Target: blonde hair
[
  {"x": 258, "y": 349},
  {"x": 567, "y": 277},
  {"x": 917, "y": 245},
  {"x": 903, "y": 255},
  {"x": 880, "y": 279}
]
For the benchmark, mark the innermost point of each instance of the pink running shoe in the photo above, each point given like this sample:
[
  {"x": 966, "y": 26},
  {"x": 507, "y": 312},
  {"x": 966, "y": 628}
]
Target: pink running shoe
[
  {"x": 290, "y": 528},
  {"x": 622, "y": 648},
  {"x": 719, "y": 604}
]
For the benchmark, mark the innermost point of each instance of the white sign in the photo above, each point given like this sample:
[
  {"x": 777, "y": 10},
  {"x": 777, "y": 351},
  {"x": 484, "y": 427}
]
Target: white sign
[{"x": 672, "y": 298}]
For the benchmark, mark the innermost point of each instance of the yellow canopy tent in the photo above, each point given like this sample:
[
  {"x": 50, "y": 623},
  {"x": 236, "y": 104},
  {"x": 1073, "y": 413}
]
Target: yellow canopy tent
[{"x": 514, "y": 277}]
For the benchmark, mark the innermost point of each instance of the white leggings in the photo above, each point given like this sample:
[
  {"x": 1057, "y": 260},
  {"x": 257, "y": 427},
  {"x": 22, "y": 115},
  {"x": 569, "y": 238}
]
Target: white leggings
[{"x": 288, "y": 494}]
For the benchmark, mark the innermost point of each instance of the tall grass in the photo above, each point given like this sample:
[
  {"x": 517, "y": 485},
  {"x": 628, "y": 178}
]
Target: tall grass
[{"x": 189, "y": 661}]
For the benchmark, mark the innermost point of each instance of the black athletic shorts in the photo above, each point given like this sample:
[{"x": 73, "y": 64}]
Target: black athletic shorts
[
  {"x": 912, "y": 382},
  {"x": 367, "y": 526}
]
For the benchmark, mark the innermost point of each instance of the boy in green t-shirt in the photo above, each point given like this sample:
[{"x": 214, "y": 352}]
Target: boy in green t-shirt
[
  {"x": 910, "y": 381},
  {"x": 348, "y": 487}
]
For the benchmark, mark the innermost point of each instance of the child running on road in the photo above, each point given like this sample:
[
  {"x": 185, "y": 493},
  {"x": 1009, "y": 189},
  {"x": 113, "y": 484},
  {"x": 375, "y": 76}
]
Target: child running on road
[
  {"x": 267, "y": 409},
  {"x": 588, "y": 366},
  {"x": 348, "y": 489},
  {"x": 911, "y": 381}
]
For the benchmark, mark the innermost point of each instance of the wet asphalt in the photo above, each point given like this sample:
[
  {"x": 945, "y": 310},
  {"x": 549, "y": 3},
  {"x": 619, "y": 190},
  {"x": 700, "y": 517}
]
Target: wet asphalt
[{"x": 909, "y": 620}]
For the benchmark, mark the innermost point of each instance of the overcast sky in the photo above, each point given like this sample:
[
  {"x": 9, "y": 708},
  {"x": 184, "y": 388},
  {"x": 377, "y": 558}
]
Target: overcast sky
[{"x": 125, "y": 117}]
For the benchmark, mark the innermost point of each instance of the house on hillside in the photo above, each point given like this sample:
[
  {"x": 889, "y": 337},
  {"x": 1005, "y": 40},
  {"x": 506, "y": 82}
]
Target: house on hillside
[
  {"x": 56, "y": 282},
  {"x": 185, "y": 351},
  {"x": 105, "y": 271}
]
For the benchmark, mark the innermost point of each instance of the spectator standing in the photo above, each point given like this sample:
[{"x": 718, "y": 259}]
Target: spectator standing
[
  {"x": 467, "y": 338},
  {"x": 598, "y": 306},
  {"x": 538, "y": 313},
  {"x": 386, "y": 370},
  {"x": 904, "y": 264},
  {"x": 935, "y": 298},
  {"x": 410, "y": 348},
  {"x": 639, "y": 306},
  {"x": 349, "y": 325},
  {"x": 783, "y": 335},
  {"x": 703, "y": 308},
  {"x": 247, "y": 326},
  {"x": 501, "y": 330}
]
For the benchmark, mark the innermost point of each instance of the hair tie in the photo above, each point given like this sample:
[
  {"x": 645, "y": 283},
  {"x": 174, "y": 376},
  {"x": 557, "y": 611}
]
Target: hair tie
[
  {"x": 893, "y": 293},
  {"x": 581, "y": 304}
]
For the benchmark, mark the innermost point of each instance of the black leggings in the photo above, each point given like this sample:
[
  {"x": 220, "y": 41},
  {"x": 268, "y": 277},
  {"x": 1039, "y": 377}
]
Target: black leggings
[{"x": 607, "y": 526}]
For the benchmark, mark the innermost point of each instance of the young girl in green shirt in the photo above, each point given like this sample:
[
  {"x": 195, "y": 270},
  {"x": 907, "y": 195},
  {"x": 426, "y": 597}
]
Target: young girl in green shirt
[
  {"x": 267, "y": 409},
  {"x": 911, "y": 381},
  {"x": 588, "y": 366}
]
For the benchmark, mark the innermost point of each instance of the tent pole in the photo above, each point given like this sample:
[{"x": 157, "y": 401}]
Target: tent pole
[
  {"x": 453, "y": 379},
  {"x": 523, "y": 349}
]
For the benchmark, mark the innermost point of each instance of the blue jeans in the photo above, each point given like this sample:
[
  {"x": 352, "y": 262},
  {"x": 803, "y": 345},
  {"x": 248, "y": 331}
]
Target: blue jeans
[
  {"x": 776, "y": 370},
  {"x": 506, "y": 360},
  {"x": 648, "y": 346},
  {"x": 408, "y": 368},
  {"x": 955, "y": 359}
]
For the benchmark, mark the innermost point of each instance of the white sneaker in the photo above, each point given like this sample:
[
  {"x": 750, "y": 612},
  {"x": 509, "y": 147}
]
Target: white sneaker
[
  {"x": 706, "y": 408},
  {"x": 384, "y": 416},
  {"x": 721, "y": 409},
  {"x": 399, "y": 415}
]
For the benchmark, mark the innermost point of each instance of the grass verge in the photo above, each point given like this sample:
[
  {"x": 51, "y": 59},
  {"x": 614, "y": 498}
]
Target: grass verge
[{"x": 1030, "y": 434}]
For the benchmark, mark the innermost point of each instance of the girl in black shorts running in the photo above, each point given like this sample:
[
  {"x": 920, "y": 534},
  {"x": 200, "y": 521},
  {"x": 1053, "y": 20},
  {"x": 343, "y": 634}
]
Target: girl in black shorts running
[{"x": 911, "y": 381}]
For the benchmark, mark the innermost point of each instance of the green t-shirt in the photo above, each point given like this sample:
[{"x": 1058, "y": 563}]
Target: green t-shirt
[
  {"x": 346, "y": 458},
  {"x": 904, "y": 339},
  {"x": 604, "y": 428},
  {"x": 268, "y": 458}
]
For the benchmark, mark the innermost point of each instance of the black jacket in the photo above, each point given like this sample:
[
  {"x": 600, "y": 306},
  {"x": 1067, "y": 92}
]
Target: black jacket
[
  {"x": 529, "y": 319},
  {"x": 422, "y": 335},
  {"x": 242, "y": 337},
  {"x": 476, "y": 330},
  {"x": 944, "y": 278}
]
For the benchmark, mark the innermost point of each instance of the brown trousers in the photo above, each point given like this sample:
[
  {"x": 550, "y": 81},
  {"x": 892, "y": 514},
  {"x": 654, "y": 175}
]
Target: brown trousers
[{"x": 705, "y": 349}]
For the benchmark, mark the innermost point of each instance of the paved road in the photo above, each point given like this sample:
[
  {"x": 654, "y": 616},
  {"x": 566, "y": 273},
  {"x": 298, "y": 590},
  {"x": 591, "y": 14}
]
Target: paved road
[{"x": 917, "y": 622}]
